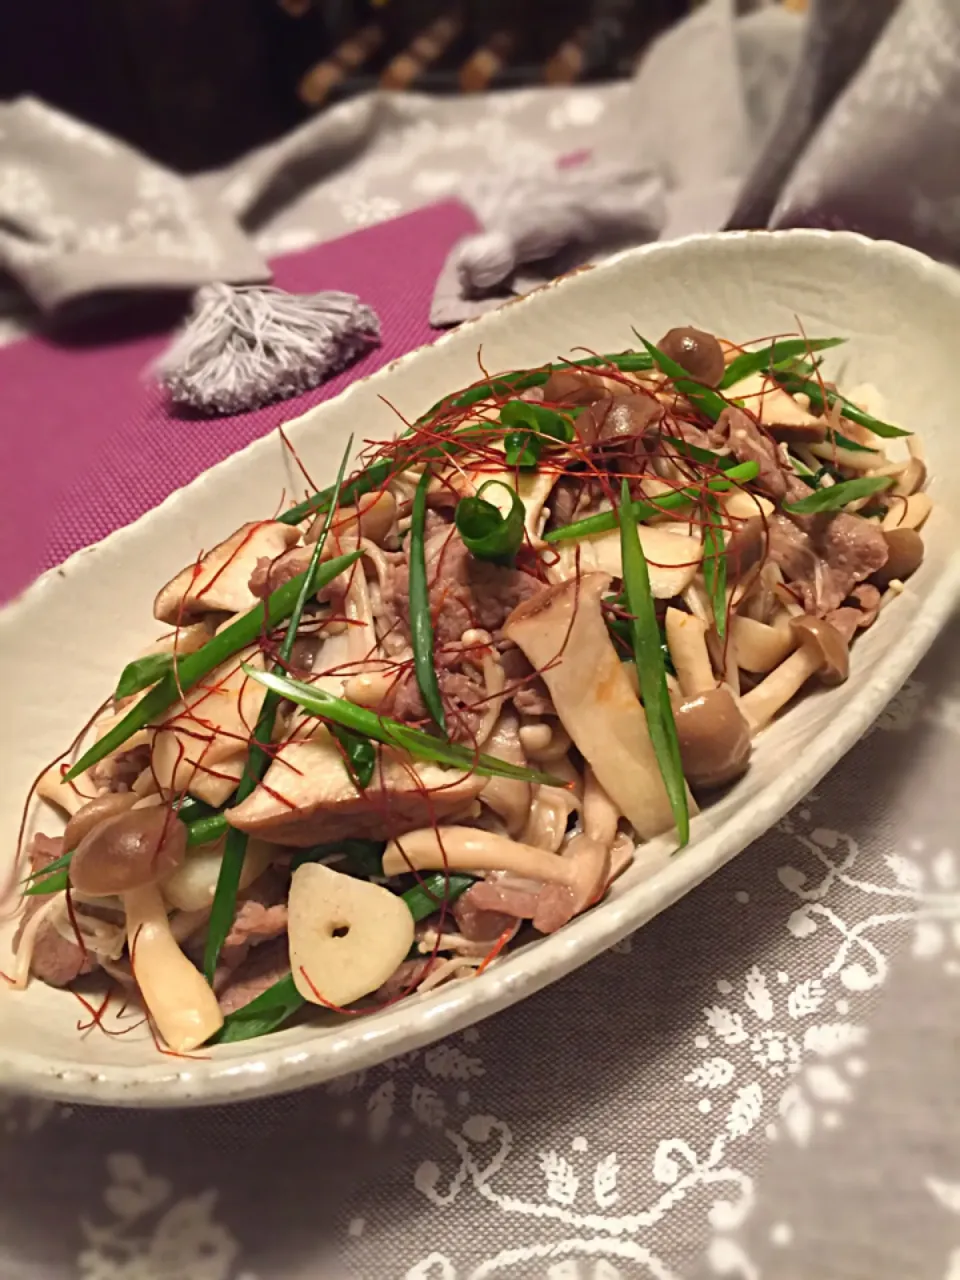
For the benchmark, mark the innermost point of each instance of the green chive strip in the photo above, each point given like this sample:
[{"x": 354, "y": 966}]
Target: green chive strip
[
  {"x": 269, "y": 1010},
  {"x": 645, "y": 634},
  {"x": 767, "y": 359},
  {"x": 258, "y": 759},
  {"x": 485, "y": 531},
  {"x": 811, "y": 387},
  {"x": 194, "y": 666},
  {"x": 394, "y": 734},
  {"x": 511, "y": 383},
  {"x": 835, "y": 497},
  {"x": 715, "y": 564},
  {"x": 605, "y": 520},
  {"x": 421, "y": 623}
]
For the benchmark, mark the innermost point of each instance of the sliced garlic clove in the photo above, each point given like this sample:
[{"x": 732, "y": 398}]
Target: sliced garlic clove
[{"x": 347, "y": 936}]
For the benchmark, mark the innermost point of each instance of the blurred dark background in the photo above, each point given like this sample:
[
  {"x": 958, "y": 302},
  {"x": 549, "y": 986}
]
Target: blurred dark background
[{"x": 197, "y": 82}]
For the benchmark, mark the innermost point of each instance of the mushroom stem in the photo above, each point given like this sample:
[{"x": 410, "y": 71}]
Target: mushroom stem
[
  {"x": 761, "y": 704},
  {"x": 600, "y": 814},
  {"x": 178, "y": 999},
  {"x": 760, "y": 647},
  {"x": 471, "y": 849},
  {"x": 509, "y": 798},
  {"x": 687, "y": 642}
]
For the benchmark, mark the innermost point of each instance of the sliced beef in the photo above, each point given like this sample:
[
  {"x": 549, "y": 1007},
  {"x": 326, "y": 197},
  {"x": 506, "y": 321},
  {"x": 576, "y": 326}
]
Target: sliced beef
[
  {"x": 56, "y": 960},
  {"x": 464, "y": 592},
  {"x": 750, "y": 443},
  {"x": 824, "y": 562},
  {"x": 486, "y": 909},
  {"x": 851, "y": 546},
  {"x": 263, "y": 967},
  {"x": 260, "y": 916},
  {"x": 860, "y": 611},
  {"x": 526, "y": 689},
  {"x": 464, "y": 701}
]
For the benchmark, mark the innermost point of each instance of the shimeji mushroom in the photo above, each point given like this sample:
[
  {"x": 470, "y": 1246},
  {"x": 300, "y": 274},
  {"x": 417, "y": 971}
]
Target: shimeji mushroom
[
  {"x": 698, "y": 352},
  {"x": 759, "y": 646},
  {"x": 221, "y": 581},
  {"x": 308, "y": 796},
  {"x": 904, "y": 556},
  {"x": 562, "y": 632},
  {"x": 177, "y": 997},
  {"x": 713, "y": 735},
  {"x": 907, "y": 513},
  {"x": 687, "y": 643},
  {"x": 822, "y": 651},
  {"x": 128, "y": 850},
  {"x": 714, "y": 738},
  {"x": 94, "y": 812},
  {"x": 509, "y": 798},
  {"x": 347, "y": 936},
  {"x": 472, "y": 849}
]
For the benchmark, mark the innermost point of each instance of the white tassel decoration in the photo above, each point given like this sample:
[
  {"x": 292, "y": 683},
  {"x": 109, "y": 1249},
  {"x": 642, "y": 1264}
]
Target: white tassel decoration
[{"x": 243, "y": 347}]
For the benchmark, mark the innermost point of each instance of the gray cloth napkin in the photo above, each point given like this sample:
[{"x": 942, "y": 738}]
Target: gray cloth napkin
[
  {"x": 82, "y": 213},
  {"x": 848, "y": 118}
]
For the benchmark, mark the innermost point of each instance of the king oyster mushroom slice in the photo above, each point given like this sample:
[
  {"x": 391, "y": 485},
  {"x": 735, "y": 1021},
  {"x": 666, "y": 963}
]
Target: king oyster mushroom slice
[
  {"x": 203, "y": 741},
  {"x": 673, "y": 557},
  {"x": 221, "y": 581},
  {"x": 308, "y": 796},
  {"x": 783, "y": 417},
  {"x": 562, "y": 632},
  {"x": 347, "y": 936},
  {"x": 374, "y": 517}
]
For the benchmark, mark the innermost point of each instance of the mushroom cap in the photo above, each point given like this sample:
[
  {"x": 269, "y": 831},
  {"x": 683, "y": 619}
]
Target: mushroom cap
[
  {"x": 904, "y": 556},
  {"x": 696, "y": 351},
  {"x": 821, "y": 638},
  {"x": 94, "y": 812},
  {"x": 615, "y": 418},
  {"x": 128, "y": 851},
  {"x": 714, "y": 738},
  {"x": 570, "y": 388}
]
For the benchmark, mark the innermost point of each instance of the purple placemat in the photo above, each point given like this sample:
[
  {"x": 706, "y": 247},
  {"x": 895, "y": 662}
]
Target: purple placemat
[{"x": 86, "y": 445}]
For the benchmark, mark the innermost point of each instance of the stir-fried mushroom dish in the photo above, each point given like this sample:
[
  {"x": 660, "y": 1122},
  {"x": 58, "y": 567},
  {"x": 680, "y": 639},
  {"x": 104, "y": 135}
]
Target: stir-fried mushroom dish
[{"x": 441, "y": 701}]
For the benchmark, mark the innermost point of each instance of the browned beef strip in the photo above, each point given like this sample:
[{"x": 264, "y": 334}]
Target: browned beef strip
[
  {"x": 464, "y": 700},
  {"x": 464, "y": 592},
  {"x": 750, "y": 443},
  {"x": 264, "y": 966},
  {"x": 56, "y": 960},
  {"x": 260, "y": 916}
]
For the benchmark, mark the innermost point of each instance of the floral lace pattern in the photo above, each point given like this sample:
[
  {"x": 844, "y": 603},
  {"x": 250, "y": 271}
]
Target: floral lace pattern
[{"x": 654, "y": 1115}]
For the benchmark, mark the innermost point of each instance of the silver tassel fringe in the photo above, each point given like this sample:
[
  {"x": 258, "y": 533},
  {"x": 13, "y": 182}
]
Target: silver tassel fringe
[{"x": 243, "y": 347}]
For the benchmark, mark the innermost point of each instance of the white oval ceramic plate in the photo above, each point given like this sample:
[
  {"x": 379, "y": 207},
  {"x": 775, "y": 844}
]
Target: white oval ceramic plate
[{"x": 66, "y": 639}]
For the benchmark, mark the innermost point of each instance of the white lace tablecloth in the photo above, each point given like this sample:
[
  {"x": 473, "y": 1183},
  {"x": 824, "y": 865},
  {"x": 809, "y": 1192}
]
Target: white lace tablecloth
[{"x": 762, "y": 1083}]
